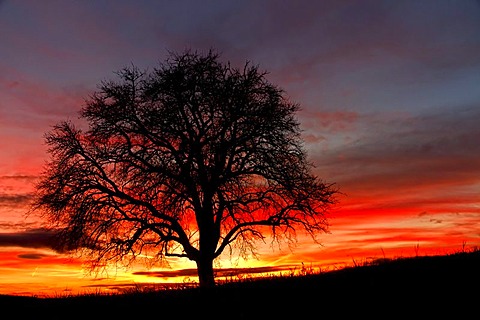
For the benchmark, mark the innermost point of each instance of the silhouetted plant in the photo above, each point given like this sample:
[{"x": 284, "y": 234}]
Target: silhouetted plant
[{"x": 187, "y": 160}]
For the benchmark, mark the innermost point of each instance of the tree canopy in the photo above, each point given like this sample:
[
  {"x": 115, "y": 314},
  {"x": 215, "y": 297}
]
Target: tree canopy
[{"x": 186, "y": 160}]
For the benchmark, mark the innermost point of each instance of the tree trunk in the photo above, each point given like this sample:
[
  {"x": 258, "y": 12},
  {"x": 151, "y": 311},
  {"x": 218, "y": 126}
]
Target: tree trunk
[{"x": 206, "y": 276}]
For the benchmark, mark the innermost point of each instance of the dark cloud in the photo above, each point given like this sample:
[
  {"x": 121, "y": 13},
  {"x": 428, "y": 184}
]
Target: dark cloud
[
  {"x": 19, "y": 177},
  {"x": 32, "y": 256},
  {"x": 14, "y": 200},
  {"x": 445, "y": 141},
  {"x": 34, "y": 238},
  {"x": 224, "y": 272}
]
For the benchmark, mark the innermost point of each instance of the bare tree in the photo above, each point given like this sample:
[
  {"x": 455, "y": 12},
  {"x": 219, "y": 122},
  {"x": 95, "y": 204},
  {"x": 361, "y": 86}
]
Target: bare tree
[{"x": 186, "y": 160}]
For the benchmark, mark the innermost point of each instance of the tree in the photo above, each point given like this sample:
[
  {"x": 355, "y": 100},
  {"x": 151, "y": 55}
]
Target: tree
[{"x": 186, "y": 160}]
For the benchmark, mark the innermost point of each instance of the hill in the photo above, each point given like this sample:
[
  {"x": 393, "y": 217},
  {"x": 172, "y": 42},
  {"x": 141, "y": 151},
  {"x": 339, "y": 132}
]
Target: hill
[{"x": 428, "y": 286}]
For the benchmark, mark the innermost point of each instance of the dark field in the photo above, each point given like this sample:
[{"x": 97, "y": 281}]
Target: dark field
[{"x": 427, "y": 287}]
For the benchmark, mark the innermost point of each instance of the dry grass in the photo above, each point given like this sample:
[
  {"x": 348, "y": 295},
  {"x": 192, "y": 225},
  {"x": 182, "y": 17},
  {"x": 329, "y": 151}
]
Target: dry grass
[{"x": 426, "y": 286}]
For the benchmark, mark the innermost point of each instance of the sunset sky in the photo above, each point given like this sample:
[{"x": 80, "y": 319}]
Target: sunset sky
[{"x": 390, "y": 98}]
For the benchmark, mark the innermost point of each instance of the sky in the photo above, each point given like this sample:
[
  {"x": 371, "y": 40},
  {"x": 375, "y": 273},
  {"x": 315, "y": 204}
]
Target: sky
[{"x": 390, "y": 111}]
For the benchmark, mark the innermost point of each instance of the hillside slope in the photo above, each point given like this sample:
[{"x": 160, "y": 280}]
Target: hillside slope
[{"x": 446, "y": 286}]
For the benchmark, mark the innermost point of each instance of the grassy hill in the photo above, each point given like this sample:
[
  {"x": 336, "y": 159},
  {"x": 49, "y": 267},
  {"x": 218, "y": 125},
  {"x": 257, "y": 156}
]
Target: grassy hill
[{"x": 445, "y": 286}]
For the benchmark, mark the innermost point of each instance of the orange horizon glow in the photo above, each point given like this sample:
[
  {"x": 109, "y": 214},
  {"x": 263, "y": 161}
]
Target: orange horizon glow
[{"x": 355, "y": 238}]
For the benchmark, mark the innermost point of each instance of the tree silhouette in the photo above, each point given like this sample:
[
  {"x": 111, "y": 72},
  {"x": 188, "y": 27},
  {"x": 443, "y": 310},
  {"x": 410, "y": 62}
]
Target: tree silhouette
[{"x": 186, "y": 160}]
